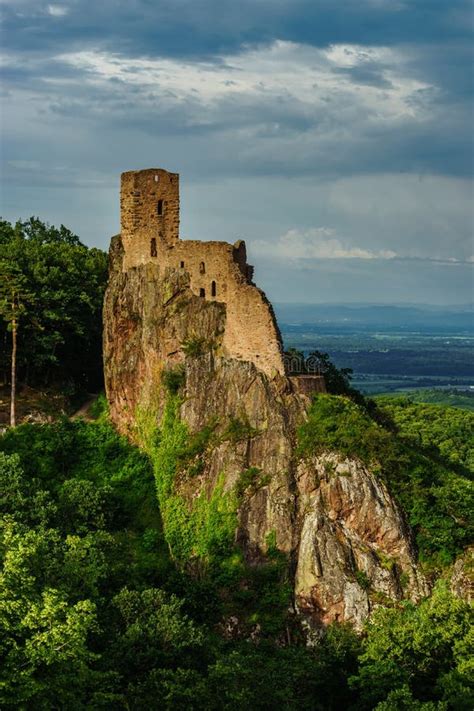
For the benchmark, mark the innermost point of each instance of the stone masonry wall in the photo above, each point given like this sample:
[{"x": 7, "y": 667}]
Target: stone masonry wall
[
  {"x": 143, "y": 195},
  {"x": 218, "y": 271}
]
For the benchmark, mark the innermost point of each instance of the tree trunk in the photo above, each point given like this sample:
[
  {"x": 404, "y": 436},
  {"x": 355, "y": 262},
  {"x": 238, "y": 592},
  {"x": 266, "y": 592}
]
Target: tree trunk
[{"x": 13, "y": 389}]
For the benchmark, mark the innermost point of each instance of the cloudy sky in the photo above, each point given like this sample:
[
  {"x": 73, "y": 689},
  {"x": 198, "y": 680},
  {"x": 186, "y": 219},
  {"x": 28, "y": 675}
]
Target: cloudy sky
[{"x": 335, "y": 136}]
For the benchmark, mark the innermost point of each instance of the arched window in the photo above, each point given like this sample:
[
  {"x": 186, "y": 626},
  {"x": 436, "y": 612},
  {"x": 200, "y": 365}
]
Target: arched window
[
  {"x": 213, "y": 288},
  {"x": 153, "y": 252},
  {"x": 202, "y": 268},
  {"x": 159, "y": 208},
  {"x": 202, "y": 293}
]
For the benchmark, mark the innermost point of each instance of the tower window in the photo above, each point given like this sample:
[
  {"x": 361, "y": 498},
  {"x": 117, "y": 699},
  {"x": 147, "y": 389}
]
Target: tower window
[
  {"x": 181, "y": 264},
  {"x": 202, "y": 268},
  {"x": 153, "y": 252},
  {"x": 213, "y": 288},
  {"x": 159, "y": 208},
  {"x": 157, "y": 177},
  {"x": 202, "y": 293}
]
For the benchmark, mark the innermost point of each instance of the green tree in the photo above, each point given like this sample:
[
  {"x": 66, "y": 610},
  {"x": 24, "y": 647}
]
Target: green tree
[
  {"x": 47, "y": 659},
  {"x": 420, "y": 650},
  {"x": 15, "y": 298},
  {"x": 62, "y": 283}
]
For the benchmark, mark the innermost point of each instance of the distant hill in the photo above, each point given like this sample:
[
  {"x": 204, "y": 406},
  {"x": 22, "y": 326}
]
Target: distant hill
[{"x": 386, "y": 316}]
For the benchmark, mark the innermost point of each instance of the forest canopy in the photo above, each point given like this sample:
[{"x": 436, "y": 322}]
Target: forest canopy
[
  {"x": 96, "y": 615},
  {"x": 57, "y": 285},
  {"x": 95, "y": 611}
]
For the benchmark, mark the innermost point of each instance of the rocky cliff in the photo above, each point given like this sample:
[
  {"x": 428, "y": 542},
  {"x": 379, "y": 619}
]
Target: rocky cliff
[{"x": 226, "y": 439}]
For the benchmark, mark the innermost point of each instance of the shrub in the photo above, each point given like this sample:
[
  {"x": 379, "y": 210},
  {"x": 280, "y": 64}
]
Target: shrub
[
  {"x": 195, "y": 346},
  {"x": 238, "y": 430},
  {"x": 362, "y": 579},
  {"x": 174, "y": 378},
  {"x": 250, "y": 481}
]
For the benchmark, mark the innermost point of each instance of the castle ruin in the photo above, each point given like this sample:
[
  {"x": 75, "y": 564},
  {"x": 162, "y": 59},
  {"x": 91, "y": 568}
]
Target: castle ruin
[{"x": 218, "y": 271}]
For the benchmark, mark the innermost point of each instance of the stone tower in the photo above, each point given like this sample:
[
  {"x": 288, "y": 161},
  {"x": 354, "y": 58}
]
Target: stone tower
[{"x": 149, "y": 210}]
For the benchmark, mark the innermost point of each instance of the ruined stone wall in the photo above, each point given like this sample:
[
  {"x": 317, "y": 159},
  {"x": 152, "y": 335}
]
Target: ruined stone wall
[
  {"x": 307, "y": 384},
  {"x": 218, "y": 271}
]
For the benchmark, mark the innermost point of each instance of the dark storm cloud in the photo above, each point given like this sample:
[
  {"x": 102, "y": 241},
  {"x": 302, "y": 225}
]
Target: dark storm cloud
[{"x": 204, "y": 27}]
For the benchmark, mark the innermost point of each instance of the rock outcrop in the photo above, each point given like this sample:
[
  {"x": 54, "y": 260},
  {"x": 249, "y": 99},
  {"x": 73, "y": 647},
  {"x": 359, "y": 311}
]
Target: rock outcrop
[
  {"x": 462, "y": 578},
  {"x": 348, "y": 546}
]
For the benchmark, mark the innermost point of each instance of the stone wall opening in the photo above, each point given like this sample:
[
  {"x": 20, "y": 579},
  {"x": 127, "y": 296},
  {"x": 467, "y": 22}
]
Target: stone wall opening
[
  {"x": 202, "y": 293},
  {"x": 202, "y": 268},
  {"x": 213, "y": 289},
  {"x": 181, "y": 264},
  {"x": 153, "y": 252},
  {"x": 159, "y": 208}
]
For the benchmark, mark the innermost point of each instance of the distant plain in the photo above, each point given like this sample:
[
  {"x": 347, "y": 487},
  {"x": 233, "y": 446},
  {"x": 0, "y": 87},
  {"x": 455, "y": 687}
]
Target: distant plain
[{"x": 425, "y": 351}]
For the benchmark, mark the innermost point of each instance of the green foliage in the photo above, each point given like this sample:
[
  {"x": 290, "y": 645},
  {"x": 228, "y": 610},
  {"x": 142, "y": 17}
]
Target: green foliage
[
  {"x": 195, "y": 346},
  {"x": 337, "y": 380},
  {"x": 153, "y": 629},
  {"x": 199, "y": 441},
  {"x": 68, "y": 492},
  {"x": 420, "y": 464},
  {"x": 292, "y": 677},
  {"x": 174, "y": 379},
  {"x": 201, "y": 534},
  {"x": 85, "y": 505},
  {"x": 59, "y": 286},
  {"x": 451, "y": 397},
  {"x": 95, "y": 615},
  {"x": 402, "y": 700},
  {"x": 362, "y": 579},
  {"x": 250, "y": 481},
  {"x": 99, "y": 409},
  {"x": 206, "y": 528},
  {"x": 421, "y": 651},
  {"x": 446, "y": 430},
  {"x": 336, "y": 423},
  {"x": 238, "y": 429}
]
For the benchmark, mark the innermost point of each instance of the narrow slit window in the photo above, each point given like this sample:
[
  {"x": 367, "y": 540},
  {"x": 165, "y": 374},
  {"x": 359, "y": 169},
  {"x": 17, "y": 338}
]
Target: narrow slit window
[
  {"x": 181, "y": 264},
  {"x": 213, "y": 289},
  {"x": 153, "y": 252},
  {"x": 202, "y": 268},
  {"x": 202, "y": 293},
  {"x": 159, "y": 208}
]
